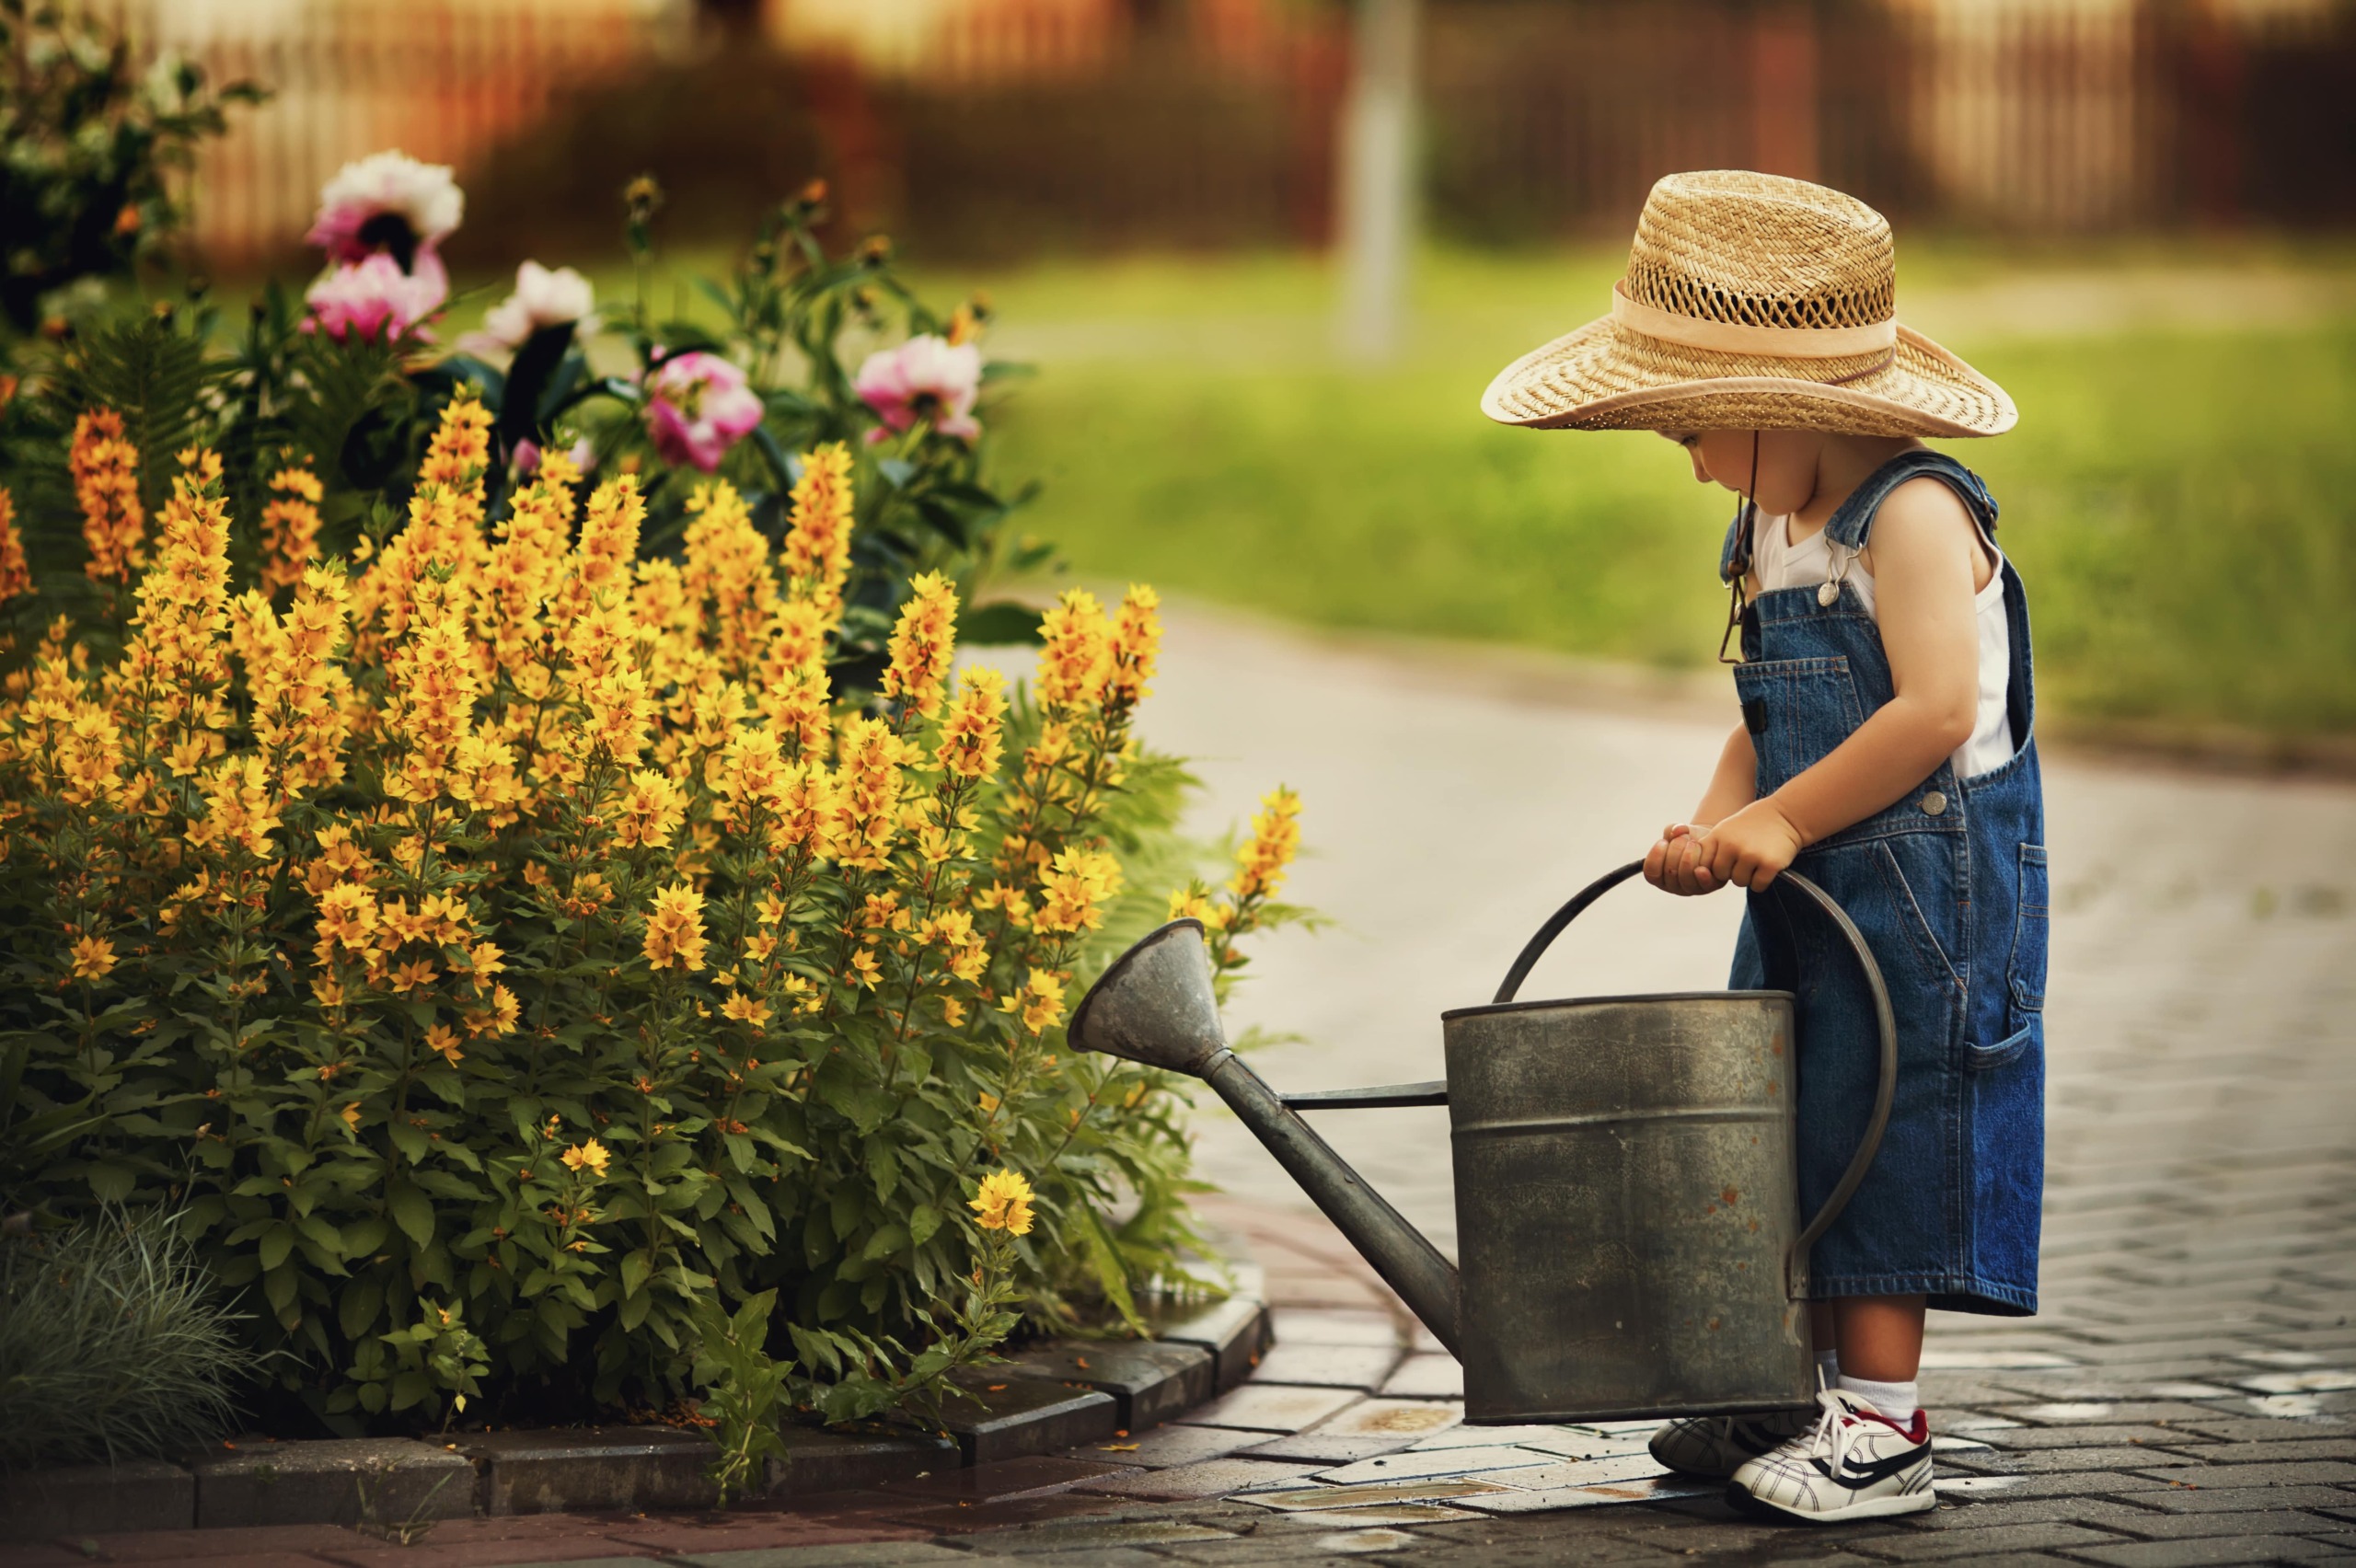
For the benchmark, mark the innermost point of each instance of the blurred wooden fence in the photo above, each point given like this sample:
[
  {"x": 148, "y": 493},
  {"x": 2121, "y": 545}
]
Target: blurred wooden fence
[{"x": 1018, "y": 125}]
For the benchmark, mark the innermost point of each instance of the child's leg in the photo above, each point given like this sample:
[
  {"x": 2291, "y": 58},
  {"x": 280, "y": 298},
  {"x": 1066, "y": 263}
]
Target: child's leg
[
  {"x": 1880, "y": 1340},
  {"x": 1880, "y": 1336}
]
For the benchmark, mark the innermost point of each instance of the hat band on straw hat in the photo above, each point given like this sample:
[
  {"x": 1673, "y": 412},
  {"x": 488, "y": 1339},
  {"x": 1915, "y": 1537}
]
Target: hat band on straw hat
[{"x": 1740, "y": 338}]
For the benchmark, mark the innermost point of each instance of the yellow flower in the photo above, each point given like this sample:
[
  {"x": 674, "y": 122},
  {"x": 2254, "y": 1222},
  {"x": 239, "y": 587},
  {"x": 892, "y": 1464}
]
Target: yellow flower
[
  {"x": 591, "y": 1156},
  {"x": 923, "y": 643},
  {"x": 16, "y": 577},
  {"x": 1074, "y": 888},
  {"x": 290, "y": 528},
  {"x": 93, "y": 958},
  {"x": 105, "y": 469},
  {"x": 989, "y": 1103},
  {"x": 350, "y": 1115},
  {"x": 1076, "y": 658},
  {"x": 445, "y": 1039},
  {"x": 863, "y": 970},
  {"x": 1136, "y": 644},
  {"x": 746, "y": 1009},
  {"x": 1190, "y": 902},
  {"x": 1276, "y": 840},
  {"x": 675, "y": 928},
  {"x": 649, "y": 810},
  {"x": 1003, "y": 1203},
  {"x": 971, "y": 740},
  {"x": 817, "y": 548},
  {"x": 1040, "y": 1000}
]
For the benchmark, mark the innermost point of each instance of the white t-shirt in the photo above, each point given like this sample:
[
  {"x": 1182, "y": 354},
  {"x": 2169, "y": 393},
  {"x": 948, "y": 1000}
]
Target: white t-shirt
[{"x": 1817, "y": 559}]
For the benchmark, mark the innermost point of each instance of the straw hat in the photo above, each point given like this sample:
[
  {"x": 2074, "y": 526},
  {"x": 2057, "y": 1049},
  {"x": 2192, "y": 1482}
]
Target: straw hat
[{"x": 1751, "y": 302}]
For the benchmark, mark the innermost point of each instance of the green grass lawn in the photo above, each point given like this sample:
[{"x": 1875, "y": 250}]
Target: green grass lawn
[{"x": 2182, "y": 501}]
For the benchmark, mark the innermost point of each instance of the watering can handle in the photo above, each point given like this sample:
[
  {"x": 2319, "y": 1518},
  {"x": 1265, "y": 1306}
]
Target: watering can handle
[{"x": 1868, "y": 1145}]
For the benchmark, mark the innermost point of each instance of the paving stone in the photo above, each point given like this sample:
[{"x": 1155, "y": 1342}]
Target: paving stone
[
  {"x": 2047, "y": 1461},
  {"x": 1360, "y": 1367},
  {"x": 245, "y": 1543},
  {"x": 1569, "y": 1444},
  {"x": 1167, "y": 1446},
  {"x": 1017, "y": 1419},
  {"x": 1211, "y": 1478},
  {"x": 331, "y": 1481},
  {"x": 1306, "y": 1325},
  {"x": 1365, "y": 1542},
  {"x": 816, "y": 1460},
  {"x": 1435, "y": 1491},
  {"x": 1413, "y": 1418},
  {"x": 1087, "y": 1535},
  {"x": 1373, "y": 1514},
  {"x": 1008, "y": 1513},
  {"x": 2214, "y": 1550},
  {"x": 433, "y": 1552},
  {"x": 2269, "y": 1429},
  {"x": 1272, "y": 1406},
  {"x": 2061, "y": 1484},
  {"x": 2095, "y": 1436},
  {"x": 1996, "y": 1540},
  {"x": 2342, "y": 1449},
  {"x": 1316, "y": 1445},
  {"x": 574, "y": 1470},
  {"x": 1426, "y": 1378},
  {"x": 130, "y": 1494},
  {"x": 2241, "y": 1499},
  {"x": 1547, "y": 1500},
  {"x": 999, "y": 1480},
  {"x": 1233, "y": 1331},
  {"x": 1416, "y": 1462},
  {"x": 1612, "y": 1471},
  {"x": 910, "y": 1551},
  {"x": 1151, "y": 1382},
  {"x": 2311, "y": 1472},
  {"x": 2255, "y": 1522}
]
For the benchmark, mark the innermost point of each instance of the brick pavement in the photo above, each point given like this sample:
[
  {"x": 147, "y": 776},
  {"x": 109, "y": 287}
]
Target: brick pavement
[{"x": 2187, "y": 1396}]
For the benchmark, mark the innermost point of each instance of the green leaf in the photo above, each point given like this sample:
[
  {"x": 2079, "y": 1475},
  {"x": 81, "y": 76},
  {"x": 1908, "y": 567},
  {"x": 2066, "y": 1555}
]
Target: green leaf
[
  {"x": 635, "y": 1270},
  {"x": 410, "y": 1211},
  {"x": 923, "y": 1223},
  {"x": 112, "y": 1184},
  {"x": 886, "y": 1243},
  {"x": 275, "y": 1245}
]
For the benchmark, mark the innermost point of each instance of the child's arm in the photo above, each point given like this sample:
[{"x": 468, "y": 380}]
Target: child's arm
[
  {"x": 1674, "y": 866},
  {"x": 1924, "y": 558}
]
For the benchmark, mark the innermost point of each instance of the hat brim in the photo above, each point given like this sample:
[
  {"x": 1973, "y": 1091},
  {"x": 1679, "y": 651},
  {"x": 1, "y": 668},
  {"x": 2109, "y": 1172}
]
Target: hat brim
[{"x": 1604, "y": 376}]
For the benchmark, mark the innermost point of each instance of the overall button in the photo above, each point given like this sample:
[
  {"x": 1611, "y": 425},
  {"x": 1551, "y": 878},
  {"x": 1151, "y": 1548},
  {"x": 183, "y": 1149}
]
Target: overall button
[{"x": 1934, "y": 804}]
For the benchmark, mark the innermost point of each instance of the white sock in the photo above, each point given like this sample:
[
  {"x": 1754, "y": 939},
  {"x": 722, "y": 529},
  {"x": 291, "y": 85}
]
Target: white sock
[
  {"x": 1896, "y": 1401},
  {"x": 1828, "y": 1369}
]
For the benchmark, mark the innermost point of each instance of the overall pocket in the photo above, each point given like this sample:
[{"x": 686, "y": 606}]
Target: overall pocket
[
  {"x": 2024, "y": 972},
  {"x": 1796, "y": 710}
]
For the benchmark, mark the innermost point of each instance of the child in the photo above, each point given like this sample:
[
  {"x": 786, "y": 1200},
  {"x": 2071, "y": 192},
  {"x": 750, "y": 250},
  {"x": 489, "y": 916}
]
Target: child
[{"x": 1885, "y": 753}]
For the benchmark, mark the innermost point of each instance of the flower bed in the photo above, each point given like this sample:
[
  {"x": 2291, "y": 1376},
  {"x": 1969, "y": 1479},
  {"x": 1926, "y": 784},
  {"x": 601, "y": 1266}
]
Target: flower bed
[{"x": 507, "y": 856}]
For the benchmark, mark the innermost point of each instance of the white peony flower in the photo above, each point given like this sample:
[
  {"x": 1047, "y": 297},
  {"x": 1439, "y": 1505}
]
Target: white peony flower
[{"x": 386, "y": 201}]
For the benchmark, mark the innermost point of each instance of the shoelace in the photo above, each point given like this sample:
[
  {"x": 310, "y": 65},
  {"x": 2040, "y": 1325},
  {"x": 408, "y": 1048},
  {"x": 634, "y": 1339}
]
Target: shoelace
[{"x": 1836, "y": 1429}]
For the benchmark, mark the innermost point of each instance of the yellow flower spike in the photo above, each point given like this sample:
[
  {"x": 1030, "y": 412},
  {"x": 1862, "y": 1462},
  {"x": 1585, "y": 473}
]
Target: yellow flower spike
[
  {"x": 1003, "y": 1203},
  {"x": 972, "y": 738},
  {"x": 675, "y": 933},
  {"x": 923, "y": 643},
  {"x": 1276, "y": 840},
  {"x": 817, "y": 548},
  {"x": 1076, "y": 655},
  {"x": 1136, "y": 646},
  {"x": 105, "y": 469}
]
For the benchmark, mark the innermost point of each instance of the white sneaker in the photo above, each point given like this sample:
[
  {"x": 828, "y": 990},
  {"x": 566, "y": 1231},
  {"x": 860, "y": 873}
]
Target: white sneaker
[
  {"x": 1714, "y": 1446},
  {"x": 1855, "y": 1463}
]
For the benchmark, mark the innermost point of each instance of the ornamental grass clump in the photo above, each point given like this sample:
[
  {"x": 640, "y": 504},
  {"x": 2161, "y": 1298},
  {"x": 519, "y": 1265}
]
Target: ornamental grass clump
[
  {"x": 515, "y": 956},
  {"x": 114, "y": 1344}
]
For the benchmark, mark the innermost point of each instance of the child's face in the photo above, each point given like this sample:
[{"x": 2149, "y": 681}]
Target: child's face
[{"x": 1774, "y": 467}]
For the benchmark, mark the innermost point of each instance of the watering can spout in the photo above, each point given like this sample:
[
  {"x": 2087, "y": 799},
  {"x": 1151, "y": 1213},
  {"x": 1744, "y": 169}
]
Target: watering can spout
[{"x": 1156, "y": 1005}]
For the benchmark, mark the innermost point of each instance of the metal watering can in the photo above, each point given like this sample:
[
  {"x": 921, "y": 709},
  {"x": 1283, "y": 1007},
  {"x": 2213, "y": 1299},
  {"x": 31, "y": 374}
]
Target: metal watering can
[{"x": 1627, "y": 1193}]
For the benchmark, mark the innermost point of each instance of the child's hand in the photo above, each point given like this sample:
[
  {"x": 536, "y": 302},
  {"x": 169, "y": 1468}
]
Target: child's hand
[
  {"x": 1751, "y": 847},
  {"x": 1677, "y": 863}
]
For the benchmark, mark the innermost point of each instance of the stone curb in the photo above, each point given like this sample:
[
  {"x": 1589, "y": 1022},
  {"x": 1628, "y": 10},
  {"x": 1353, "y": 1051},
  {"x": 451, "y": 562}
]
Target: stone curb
[{"x": 1053, "y": 1396}]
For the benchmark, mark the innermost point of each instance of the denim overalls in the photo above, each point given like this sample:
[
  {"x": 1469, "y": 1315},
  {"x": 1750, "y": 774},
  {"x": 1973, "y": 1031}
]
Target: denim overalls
[{"x": 1949, "y": 887}]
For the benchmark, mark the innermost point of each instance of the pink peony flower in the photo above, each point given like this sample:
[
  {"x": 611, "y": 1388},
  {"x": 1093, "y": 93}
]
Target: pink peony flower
[
  {"x": 527, "y": 456},
  {"x": 542, "y": 298},
  {"x": 375, "y": 296},
  {"x": 386, "y": 201},
  {"x": 698, "y": 406},
  {"x": 924, "y": 378}
]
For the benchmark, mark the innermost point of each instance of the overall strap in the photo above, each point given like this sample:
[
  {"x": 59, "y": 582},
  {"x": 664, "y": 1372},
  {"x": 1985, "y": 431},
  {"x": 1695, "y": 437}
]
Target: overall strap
[
  {"x": 1854, "y": 521},
  {"x": 1731, "y": 555}
]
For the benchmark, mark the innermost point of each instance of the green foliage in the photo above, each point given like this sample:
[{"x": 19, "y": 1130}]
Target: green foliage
[
  {"x": 114, "y": 1343},
  {"x": 2176, "y": 498},
  {"x": 93, "y": 144}
]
